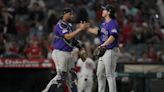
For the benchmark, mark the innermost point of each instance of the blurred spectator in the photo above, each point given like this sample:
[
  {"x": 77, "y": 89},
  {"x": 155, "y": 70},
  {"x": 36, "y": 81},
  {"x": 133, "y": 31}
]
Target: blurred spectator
[
  {"x": 126, "y": 56},
  {"x": 49, "y": 45},
  {"x": 2, "y": 44},
  {"x": 36, "y": 13},
  {"x": 124, "y": 7},
  {"x": 1, "y": 4},
  {"x": 152, "y": 54},
  {"x": 75, "y": 54},
  {"x": 127, "y": 32},
  {"x": 158, "y": 32},
  {"x": 11, "y": 50},
  {"x": 159, "y": 56},
  {"x": 52, "y": 20},
  {"x": 162, "y": 29},
  {"x": 37, "y": 31},
  {"x": 121, "y": 16},
  {"x": 36, "y": 17},
  {"x": 138, "y": 18},
  {"x": 33, "y": 49},
  {"x": 160, "y": 4},
  {"x": 87, "y": 45},
  {"x": 82, "y": 15},
  {"x": 49, "y": 54},
  {"x": 132, "y": 10},
  {"x": 96, "y": 41},
  {"x": 133, "y": 56},
  {"x": 138, "y": 36},
  {"x": 162, "y": 55},
  {"x": 149, "y": 36},
  {"x": 144, "y": 58},
  {"x": 138, "y": 22},
  {"x": 98, "y": 13},
  {"x": 13, "y": 47},
  {"x": 47, "y": 48},
  {"x": 21, "y": 6},
  {"x": 41, "y": 3},
  {"x": 91, "y": 13},
  {"x": 9, "y": 22},
  {"x": 23, "y": 29}
]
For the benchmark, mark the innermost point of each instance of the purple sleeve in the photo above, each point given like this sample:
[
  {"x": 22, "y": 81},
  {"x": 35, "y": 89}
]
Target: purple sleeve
[
  {"x": 62, "y": 30},
  {"x": 113, "y": 29}
]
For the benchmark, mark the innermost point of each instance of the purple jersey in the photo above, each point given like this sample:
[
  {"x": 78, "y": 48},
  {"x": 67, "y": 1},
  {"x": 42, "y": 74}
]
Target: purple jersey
[
  {"x": 60, "y": 30},
  {"x": 107, "y": 29}
]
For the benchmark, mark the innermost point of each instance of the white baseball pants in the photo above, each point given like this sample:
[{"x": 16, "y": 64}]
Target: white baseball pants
[
  {"x": 106, "y": 69},
  {"x": 85, "y": 84},
  {"x": 64, "y": 63}
]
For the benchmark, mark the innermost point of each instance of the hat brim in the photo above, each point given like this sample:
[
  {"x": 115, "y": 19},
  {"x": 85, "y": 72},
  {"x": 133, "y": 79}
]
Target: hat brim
[
  {"x": 67, "y": 10},
  {"x": 103, "y": 7}
]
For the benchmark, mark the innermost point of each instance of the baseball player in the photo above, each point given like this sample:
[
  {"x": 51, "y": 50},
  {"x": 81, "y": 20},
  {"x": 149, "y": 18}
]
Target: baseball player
[
  {"x": 108, "y": 34},
  {"x": 63, "y": 43},
  {"x": 85, "y": 68}
]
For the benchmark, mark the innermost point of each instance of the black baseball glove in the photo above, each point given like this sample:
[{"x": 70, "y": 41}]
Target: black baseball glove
[{"x": 99, "y": 51}]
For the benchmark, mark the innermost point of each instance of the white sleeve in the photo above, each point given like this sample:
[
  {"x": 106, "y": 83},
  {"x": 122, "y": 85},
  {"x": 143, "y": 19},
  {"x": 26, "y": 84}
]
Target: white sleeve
[
  {"x": 78, "y": 62},
  {"x": 93, "y": 63}
]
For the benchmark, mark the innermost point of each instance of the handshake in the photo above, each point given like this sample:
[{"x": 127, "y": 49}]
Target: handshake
[
  {"x": 83, "y": 25},
  {"x": 99, "y": 51}
]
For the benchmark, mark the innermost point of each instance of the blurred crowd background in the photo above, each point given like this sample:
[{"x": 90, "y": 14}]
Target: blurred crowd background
[
  {"x": 26, "y": 27},
  {"x": 26, "y": 31}
]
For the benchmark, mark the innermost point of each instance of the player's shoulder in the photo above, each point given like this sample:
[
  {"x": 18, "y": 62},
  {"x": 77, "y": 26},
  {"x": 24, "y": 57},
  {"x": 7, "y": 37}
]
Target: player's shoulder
[
  {"x": 114, "y": 22},
  {"x": 62, "y": 24},
  {"x": 79, "y": 60},
  {"x": 89, "y": 60}
]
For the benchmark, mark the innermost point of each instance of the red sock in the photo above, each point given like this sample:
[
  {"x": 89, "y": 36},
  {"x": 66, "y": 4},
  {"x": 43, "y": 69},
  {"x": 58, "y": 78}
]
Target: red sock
[{"x": 66, "y": 87}]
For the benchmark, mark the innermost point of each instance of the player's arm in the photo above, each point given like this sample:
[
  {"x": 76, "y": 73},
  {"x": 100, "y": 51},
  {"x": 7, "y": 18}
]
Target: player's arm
[
  {"x": 94, "y": 30},
  {"x": 82, "y": 26},
  {"x": 108, "y": 41},
  {"x": 111, "y": 38},
  {"x": 77, "y": 69},
  {"x": 72, "y": 34}
]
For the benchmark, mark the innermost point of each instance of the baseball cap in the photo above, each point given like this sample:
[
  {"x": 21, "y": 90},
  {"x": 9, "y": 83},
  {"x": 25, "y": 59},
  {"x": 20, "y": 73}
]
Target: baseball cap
[
  {"x": 109, "y": 8},
  {"x": 67, "y": 10}
]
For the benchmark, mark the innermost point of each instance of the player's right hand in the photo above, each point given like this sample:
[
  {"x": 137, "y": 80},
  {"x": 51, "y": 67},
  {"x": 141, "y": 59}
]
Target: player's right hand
[{"x": 83, "y": 25}]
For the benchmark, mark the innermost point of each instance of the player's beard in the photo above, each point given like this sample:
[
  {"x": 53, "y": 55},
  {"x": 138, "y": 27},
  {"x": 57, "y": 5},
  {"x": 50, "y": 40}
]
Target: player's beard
[{"x": 70, "y": 20}]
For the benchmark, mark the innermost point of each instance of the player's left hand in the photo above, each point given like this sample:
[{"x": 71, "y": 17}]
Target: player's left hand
[
  {"x": 103, "y": 45},
  {"x": 99, "y": 51}
]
